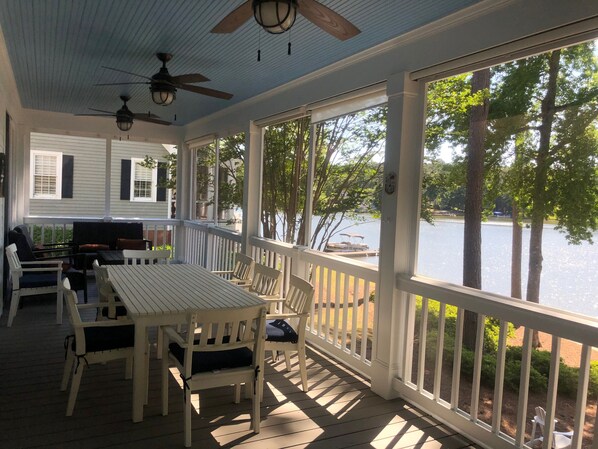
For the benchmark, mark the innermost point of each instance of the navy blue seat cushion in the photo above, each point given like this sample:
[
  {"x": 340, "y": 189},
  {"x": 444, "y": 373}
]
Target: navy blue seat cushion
[
  {"x": 37, "y": 280},
  {"x": 108, "y": 338},
  {"x": 280, "y": 330},
  {"x": 215, "y": 360}
]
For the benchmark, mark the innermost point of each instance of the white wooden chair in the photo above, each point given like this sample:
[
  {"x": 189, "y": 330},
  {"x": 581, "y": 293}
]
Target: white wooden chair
[
  {"x": 33, "y": 278},
  {"x": 228, "y": 351},
  {"x": 265, "y": 283},
  {"x": 285, "y": 329},
  {"x": 241, "y": 272},
  {"x": 93, "y": 342},
  {"x": 560, "y": 440},
  {"x": 140, "y": 256},
  {"x": 109, "y": 305}
]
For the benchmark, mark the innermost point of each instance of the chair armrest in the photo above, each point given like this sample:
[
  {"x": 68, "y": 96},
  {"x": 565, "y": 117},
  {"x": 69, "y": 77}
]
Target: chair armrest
[
  {"x": 271, "y": 298},
  {"x": 107, "y": 323},
  {"x": 57, "y": 268},
  {"x": 221, "y": 271},
  {"x": 174, "y": 335},
  {"x": 274, "y": 316},
  {"x": 42, "y": 262}
]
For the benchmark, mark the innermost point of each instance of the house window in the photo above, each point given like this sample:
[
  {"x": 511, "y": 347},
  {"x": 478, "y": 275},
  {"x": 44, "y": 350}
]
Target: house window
[
  {"x": 46, "y": 175},
  {"x": 143, "y": 181}
]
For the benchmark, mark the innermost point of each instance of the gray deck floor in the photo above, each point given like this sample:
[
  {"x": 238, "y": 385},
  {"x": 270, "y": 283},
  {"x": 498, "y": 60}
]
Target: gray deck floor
[{"x": 339, "y": 411}]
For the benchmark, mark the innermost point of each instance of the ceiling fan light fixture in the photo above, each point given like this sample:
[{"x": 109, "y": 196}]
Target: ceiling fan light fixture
[
  {"x": 163, "y": 94},
  {"x": 124, "y": 123},
  {"x": 275, "y": 16}
]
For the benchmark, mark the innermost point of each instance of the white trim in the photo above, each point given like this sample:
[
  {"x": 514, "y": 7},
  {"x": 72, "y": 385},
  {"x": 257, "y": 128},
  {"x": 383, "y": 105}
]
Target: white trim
[
  {"x": 199, "y": 142},
  {"x": 57, "y": 195},
  {"x": 347, "y": 103},
  {"x": 281, "y": 117},
  {"x": 134, "y": 162},
  {"x": 564, "y": 36}
]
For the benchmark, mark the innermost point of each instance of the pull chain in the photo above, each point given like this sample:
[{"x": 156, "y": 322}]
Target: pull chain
[{"x": 259, "y": 45}]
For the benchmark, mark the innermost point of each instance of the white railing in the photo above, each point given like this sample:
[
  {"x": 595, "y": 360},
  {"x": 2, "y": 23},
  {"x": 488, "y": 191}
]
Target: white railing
[
  {"x": 210, "y": 246},
  {"x": 343, "y": 310},
  {"x": 436, "y": 384},
  {"x": 45, "y": 230}
]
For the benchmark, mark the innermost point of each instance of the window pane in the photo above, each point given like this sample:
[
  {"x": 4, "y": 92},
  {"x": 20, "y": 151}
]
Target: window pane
[
  {"x": 532, "y": 196},
  {"x": 205, "y": 160},
  {"x": 347, "y": 182},
  {"x": 230, "y": 181},
  {"x": 284, "y": 181},
  {"x": 45, "y": 174}
]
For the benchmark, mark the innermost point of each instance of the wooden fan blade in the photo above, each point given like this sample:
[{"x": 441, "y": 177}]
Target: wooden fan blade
[
  {"x": 189, "y": 78},
  {"x": 235, "y": 19},
  {"x": 96, "y": 115},
  {"x": 101, "y": 110},
  {"x": 150, "y": 118},
  {"x": 206, "y": 91},
  {"x": 121, "y": 84},
  {"x": 128, "y": 73},
  {"x": 325, "y": 18}
]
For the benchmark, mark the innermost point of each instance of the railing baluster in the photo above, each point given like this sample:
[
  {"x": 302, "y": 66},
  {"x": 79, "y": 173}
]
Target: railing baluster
[
  {"x": 553, "y": 383},
  {"x": 526, "y": 358},
  {"x": 457, "y": 359},
  {"x": 345, "y": 331},
  {"x": 364, "y": 322},
  {"x": 327, "y": 335},
  {"x": 580, "y": 404},
  {"x": 354, "y": 318},
  {"x": 477, "y": 367},
  {"x": 423, "y": 336},
  {"x": 438, "y": 368},
  {"x": 337, "y": 306},
  {"x": 499, "y": 379}
]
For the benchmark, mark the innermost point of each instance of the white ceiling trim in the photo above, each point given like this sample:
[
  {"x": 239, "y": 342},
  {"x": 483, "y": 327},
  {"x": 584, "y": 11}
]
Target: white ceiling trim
[{"x": 532, "y": 45}]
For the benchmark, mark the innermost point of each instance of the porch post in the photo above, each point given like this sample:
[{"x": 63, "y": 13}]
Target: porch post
[
  {"x": 108, "y": 177},
  {"x": 184, "y": 184},
  {"x": 252, "y": 185},
  {"x": 393, "y": 322}
]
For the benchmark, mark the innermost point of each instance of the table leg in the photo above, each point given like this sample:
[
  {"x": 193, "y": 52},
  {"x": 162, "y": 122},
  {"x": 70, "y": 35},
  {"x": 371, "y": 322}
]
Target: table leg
[{"x": 139, "y": 371}]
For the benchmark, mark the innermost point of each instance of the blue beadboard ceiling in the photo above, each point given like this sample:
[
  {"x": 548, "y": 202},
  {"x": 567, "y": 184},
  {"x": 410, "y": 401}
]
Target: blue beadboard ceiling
[{"x": 57, "y": 48}]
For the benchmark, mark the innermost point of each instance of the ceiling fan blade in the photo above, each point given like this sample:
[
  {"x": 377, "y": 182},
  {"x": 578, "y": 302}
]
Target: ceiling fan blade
[
  {"x": 96, "y": 115},
  {"x": 101, "y": 110},
  {"x": 124, "y": 71},
  {"x": 234, "y": 19},
  {"x": 151, "y": 119},
  {"x": 189, "y": 78},
  {"x": 325, "y": 18},
  {"x": 206, "y": 91},
  {"x": 121, "y": 84}
]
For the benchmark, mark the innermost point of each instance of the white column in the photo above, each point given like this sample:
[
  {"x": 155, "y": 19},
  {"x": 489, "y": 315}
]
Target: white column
[
  {"x": 184, "y": 183},
  {"x": 252, "y": 185},
  {"x": 108, "y": 176},
  {"x": 393, "y": 322}
]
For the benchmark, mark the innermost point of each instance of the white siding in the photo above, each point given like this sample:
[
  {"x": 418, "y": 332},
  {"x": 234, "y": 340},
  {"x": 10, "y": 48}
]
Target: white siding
[
  {"x": 124, "y": 208},
  {"x": 88, "y": 176}
]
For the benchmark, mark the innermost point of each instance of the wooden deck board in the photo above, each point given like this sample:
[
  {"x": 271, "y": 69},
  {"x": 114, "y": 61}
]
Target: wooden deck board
[{"x": 338, "y": 411}]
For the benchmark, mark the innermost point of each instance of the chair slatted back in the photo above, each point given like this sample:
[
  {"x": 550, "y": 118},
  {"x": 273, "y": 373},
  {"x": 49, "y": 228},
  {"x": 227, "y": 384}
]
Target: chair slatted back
[
  {"x": 266, "y": 281},
  {"x": 243, "y": 266},
  {"x": 226, "y": 329},
  {"x": 13, "y": 258},
  {"x": 299, "y": 296},
  {"x": 70, "y": 298},
  {"x": 140, "y": 257}
]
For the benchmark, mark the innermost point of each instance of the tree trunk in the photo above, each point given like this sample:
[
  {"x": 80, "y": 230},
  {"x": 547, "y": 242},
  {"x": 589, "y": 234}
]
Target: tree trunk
[
  {"x": 472, "y": 239},
  {"x": 539, "y": 197},
  {"x": 516, "y": 253}
]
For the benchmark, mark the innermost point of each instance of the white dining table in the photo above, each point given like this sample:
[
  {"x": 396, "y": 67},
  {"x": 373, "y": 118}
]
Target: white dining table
[{"x": 156, "y": 295}]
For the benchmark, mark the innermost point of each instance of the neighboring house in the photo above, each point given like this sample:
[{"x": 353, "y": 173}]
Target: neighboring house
[{"x": 68, "y": 178}]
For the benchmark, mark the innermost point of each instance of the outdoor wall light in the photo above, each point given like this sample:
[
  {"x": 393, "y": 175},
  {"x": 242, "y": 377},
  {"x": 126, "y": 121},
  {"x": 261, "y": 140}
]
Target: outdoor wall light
[{"x": 275, "y": 16}]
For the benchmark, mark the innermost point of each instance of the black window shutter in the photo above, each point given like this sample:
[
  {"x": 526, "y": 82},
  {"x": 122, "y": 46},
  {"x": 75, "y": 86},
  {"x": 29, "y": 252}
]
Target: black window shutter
[
  {"x": 68, "y": 163},
  {"x": 125, "y": 179},
  {"x": 162, "y": 178}
]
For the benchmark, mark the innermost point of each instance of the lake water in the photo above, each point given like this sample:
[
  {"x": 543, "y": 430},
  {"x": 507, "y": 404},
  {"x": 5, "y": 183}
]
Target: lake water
[{"x": 569, "y": 274}]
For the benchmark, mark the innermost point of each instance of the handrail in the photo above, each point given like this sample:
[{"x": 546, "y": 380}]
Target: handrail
[{"x": 568, "y": 325}]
